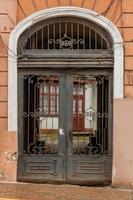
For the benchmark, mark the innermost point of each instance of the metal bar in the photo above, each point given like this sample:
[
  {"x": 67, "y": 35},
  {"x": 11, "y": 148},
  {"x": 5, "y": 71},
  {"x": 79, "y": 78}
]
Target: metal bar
[
  {"x": 33, "y": 41},
  {"x": 35, "y": 96},
  {"x": 30, "y": 44},
  {"x": 42, "y": 98},
  {"x": 84, "y": 39},
  {"x": 28, "y": 116},
  {"x": 51, "y": 112},
  {"x": 56, "y": 96},
  {"x": 78, "y": 98},
  {"x": 102, "y": 43},
  {"x": 60, "y": 33},
  {"x": 42, "y": 39},
  {"x": 52, "y": 135},
  {"x": 110, "y": 114},
  {"x": 47, "y": 111},
  {"x": 72, "y": 32},
  {"x": 21, "y": 138},
  {"x": 36, "y": 47},
  {"x": 89, "y": 38},
  {"x": 95, "y": 40},
  {"x": 103, "y": 112},
  {"x": 48, "y": 35},
  {"x": 54, "y": 34},
  {"x": 77, "y": 35},
  {"x": 65, "y": 27},
  {"x": 49, "y": 82}
]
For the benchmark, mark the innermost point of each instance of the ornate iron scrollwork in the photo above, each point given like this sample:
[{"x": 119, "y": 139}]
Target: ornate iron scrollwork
[
  {"x": 66, "y": 42},
  {"x": 93, "y": 147},
  {"x": 40, "y": 147}
]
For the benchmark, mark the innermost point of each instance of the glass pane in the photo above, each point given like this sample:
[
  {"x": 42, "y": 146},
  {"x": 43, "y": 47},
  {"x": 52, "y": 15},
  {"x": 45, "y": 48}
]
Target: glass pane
[
  {"x": 74, "y": 106},
  {"x": 57, "y": 88},
  {"x": 45, "y": 101},
  {"x": 80, "y": 105},
  {"x": 57, "y": 105},
  {"x": 45, "y": 88},
  {"x": 52, "y": 88},
  {"x": 52, "y": 104},
  {"x": 74, "y": 89},
  {"x": 80, "y": 89}
]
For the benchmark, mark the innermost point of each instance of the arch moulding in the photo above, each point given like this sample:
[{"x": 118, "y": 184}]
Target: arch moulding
[{"x": 56, "y": 12}]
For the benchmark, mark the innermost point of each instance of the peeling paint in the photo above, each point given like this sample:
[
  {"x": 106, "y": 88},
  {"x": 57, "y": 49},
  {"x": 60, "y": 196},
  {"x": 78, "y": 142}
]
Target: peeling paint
[
  {"x": 11, "y": 156},
  {"x": 2, "y": 174}
]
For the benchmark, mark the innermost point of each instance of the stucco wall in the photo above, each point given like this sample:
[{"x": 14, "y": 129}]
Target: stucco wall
[
  {"x": 123, "y": 141},
  {"x": 121, "y": 14},
  {"x": 8, "y": 142}
]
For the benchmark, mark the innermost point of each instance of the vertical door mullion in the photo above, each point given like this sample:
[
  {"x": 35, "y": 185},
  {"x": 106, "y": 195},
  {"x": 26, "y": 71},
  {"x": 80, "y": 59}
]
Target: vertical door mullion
[
  {"x": 65, "y": 118},
  {"x": 65, "y": 113},
  {"x": 110, "y": 113},
  {"x": 69, "y": 112},
  {"x": 20, "y": 169},
  {"x": 62, "y": 110},
  {"x": 20, "y": 114},
  {"x": 68, "y": 122}
]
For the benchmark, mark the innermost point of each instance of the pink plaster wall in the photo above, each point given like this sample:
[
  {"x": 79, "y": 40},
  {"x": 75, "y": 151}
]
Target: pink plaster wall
[
  {"x": 9, "y": 7},
  {"x": 8, "y": 141},
  {"x": 123, "y": 141},
  {"x": 8, "y": 156}
]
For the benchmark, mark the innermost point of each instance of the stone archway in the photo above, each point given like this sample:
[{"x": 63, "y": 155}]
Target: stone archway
[{"x": 47, "y": 14}]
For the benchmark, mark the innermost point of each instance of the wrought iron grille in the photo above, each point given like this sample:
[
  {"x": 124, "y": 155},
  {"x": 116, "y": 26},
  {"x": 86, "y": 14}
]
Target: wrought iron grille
[
  {"x": 41, "y": 114},
  {"x": 66, "y": 35},
  {"x": 91, "y": 118}
]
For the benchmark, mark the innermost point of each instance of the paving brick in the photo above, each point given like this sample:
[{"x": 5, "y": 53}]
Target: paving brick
[{"x": 22, "y": 191}]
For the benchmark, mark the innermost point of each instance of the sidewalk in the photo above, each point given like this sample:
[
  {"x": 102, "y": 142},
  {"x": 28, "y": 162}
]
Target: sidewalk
[{"x": 27, "y": 191}]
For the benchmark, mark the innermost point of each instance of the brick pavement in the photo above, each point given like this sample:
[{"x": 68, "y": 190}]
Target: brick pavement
[{"x": 23, "y": 191}]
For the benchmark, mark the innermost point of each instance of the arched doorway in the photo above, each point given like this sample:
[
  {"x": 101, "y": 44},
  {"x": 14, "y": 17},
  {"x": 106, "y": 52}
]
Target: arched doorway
[{"x": 65, "y": 73}]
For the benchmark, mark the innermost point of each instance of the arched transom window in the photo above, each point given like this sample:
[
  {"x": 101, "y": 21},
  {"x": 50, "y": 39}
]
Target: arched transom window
[{"x": 64, "y": 34}]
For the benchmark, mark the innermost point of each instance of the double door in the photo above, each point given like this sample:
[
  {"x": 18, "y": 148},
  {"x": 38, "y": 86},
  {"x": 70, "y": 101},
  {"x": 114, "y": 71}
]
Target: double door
[{"x": 65, "y": 127}]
